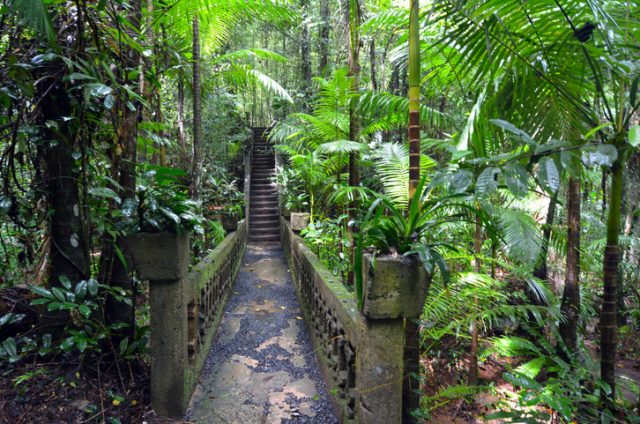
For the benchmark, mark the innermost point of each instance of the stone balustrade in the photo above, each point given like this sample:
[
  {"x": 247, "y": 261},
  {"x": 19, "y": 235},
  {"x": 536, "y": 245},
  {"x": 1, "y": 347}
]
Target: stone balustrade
[
  {"x": 361, "y": 353},
  {"x": 186, "y": 309}
]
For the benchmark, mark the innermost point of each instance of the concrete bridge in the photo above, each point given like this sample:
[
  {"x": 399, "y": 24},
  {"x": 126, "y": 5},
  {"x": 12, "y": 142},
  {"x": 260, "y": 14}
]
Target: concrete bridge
[{"x": 229, "y": 342}]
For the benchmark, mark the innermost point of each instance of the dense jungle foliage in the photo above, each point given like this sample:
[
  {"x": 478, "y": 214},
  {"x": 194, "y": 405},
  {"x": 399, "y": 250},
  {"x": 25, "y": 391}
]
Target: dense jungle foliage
[{"x": 495, "y": 141}]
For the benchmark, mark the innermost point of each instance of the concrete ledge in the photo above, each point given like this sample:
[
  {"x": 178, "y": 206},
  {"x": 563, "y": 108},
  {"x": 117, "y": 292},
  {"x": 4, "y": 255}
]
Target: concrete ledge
[
  {"x": 186, "y": 310},
  {"x": 208, "y": 272},
  {"x": 331, "y": 317}
]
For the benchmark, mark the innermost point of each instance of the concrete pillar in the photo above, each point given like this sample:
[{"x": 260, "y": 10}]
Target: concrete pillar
[
  {"x": 395, "y": 288},
  {"x": 163, "y": 260},
  {"x": 379, "y": 371}
]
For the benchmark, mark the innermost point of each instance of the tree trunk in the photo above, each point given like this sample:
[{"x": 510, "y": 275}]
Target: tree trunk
[
  {"x": 414, "y": 98},
  {"x": 69, "y": 247},
  {"x": 113, "y": 271},
  {"x": 411, "y": 399},
  {"x": 324, "y": 38},
  {"x": 352, "y": 18},
  {"x": 353, "y": 11},
  {"x": 69, "y": 254},
  {"x": 570, "y": 306},
  {"x": 182, "y": 137},
  {"x": 608, "y": 318},
  {"x": 372, "y": 59},
  {"x": 305, "y": 56},
  {"x": 472, "y": 378},
  {"x": 197, "y": 159},
  {"x": 541, "y": 271}
]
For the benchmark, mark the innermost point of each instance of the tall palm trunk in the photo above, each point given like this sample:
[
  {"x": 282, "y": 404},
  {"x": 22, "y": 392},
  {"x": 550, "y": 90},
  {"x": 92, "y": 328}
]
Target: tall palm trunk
[
  {"x": 182, "y": 137},
  {"x": 473, "y": 330},
  {"x": 411, "y": 399},
  {"x": 541, "y": 271},
  {"x": 373, "y": 60},
  {"x": 414, "y": 98},
  {"x": 570, "y": 306},
  {"x": 324, "y": 38},
  {"x": 197, "y": 159},
  {"x": 305, "y": 55},
  {"x": 354, "y": 72},
  {"x": 608, "y": 318}
]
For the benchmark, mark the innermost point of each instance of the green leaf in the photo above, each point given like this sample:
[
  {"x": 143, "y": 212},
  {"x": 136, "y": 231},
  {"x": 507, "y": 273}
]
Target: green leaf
[
  {"x": 522, "y": 381},
  {"x": 634, "y": 135},
  {"x": 10, "y": 346},
  {"x": 548, "y": 174},
  {"x": 168, "y": 213},
  {"x": 67, "y": 344},
  {"x": 76, "y": 76},
  {"x": 41, "y": 291},
  {"x": 532, "y": 368},
  {"x": 54, "y": 306},
  {"x": 508, "y": 126},
  {"x": 516, "y": 179},
  {"x": 487, "y": 182},
  {"x": 59, "y": 294},
  {"x": 460, "y": 181},
  {"x": 600, "y": 155},
  {"x": 66, "y": 283},
  {"x": 46, "y": 341},
  {"x": 81, "y": 290},
  {"x": 92, "y": 286},
  {"x": 97, "y": 90},
  {"x": 85, "y": 310},
  {"x": 104, "y": 192},
  {"x": 10, "y": 318},
  {"x": 124, "y": 343}
]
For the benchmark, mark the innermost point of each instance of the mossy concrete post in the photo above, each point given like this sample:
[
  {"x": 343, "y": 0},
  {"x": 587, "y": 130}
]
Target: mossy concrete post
[
  {"x": 163, "y": 260},
  {"x": 395, "y": 288}
]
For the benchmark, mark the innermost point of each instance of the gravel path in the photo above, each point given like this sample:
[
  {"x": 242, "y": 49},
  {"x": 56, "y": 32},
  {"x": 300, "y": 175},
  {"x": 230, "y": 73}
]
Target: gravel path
[{"x": 262, "y": 367}]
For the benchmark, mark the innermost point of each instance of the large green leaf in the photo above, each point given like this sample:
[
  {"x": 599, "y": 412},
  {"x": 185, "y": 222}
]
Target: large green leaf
[{"x": 548, "y": 174}]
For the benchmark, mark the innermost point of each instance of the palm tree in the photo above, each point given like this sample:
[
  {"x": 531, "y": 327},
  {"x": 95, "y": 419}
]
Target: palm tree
[
  {"x": 196, "y": 160},
  {"x": 550, "y": 50}
]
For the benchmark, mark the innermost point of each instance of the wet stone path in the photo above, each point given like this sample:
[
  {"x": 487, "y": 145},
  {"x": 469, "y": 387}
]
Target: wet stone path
[{"x": 262, "y": 367}]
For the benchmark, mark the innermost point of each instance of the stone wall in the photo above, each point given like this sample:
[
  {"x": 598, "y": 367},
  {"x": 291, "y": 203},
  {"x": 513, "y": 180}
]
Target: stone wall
[
  {"x": 361, "y": 353},
  {"x": 209, "y": 285},
  {"x": 330, "y": 312},
  {"x": 185, "y": 308}
]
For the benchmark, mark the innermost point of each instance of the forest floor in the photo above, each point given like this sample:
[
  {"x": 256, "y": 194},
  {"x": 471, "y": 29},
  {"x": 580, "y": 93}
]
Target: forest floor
[
  {"x": 441, "y": 373},
  {"x": 60, "y": 391}
]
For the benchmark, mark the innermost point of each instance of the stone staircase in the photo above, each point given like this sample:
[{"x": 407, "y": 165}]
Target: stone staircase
[{"x": 263, "y": 215}]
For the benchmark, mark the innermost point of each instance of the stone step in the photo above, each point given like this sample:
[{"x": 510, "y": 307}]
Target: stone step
[
  {"x": 264, "y": 194},
  {"x": 264, "y": 218},
  {"x": 262, "y": 199},
  {"x": 262, "y": 184},
  {"x": 264, "y": 209},
  {"x": 263, "y": 224},
  {"x": 264, "y": 238},
  {"x": 260, "y": 231}
]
